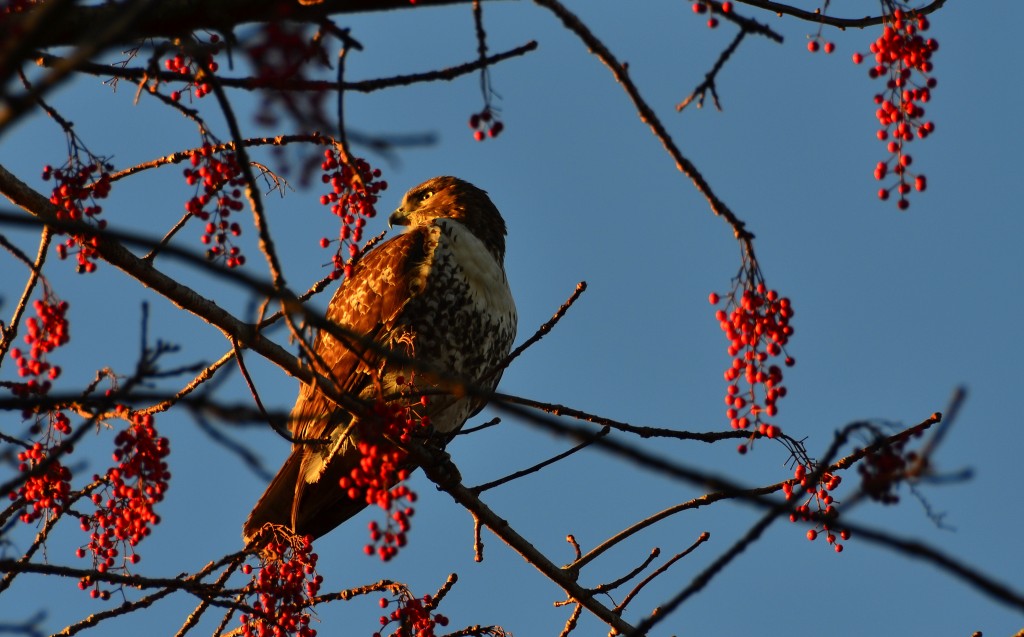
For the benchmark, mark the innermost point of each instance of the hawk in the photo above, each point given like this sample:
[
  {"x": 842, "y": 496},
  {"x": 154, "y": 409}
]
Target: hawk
[{"x": 437, "y": 297}]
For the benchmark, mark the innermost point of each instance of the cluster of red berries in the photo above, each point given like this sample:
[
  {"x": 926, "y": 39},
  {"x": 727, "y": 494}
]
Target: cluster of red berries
[
  {"x": 218, "y": 175},
  {"x": 45, "y": 332},
  {"x": 756, "y": 323},
  {"x": 44, "y": 494},
  {"x": 282, "y": 51},
  {"x": 355, "y": 186},
  {"x": 413, "y": 616},
  {"x": 883, "y": 470},
  {"x": 815, "y": 44},
  {"x": 285, "y": 583},
  {"x": 485, "y": 124},
  {"x": 193, "y": 70},
  {"x": 125, "y": 507},
  {"x": 820, "y": 498},
  {"x": 77, "y": 187},
  {"x": 703, "y": 6},
  {"x": 17, "y": 6},
  {"x": 382, "y": 467},
  {"x": 899, "y": 53}
]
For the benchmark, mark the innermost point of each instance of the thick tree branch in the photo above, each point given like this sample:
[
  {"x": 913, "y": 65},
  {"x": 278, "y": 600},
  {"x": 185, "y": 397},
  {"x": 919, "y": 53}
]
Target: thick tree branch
[
  {"x": 175, "y": 18},
  {"x": 444, "y": 474},
  {"x": 842, "y": 23}
]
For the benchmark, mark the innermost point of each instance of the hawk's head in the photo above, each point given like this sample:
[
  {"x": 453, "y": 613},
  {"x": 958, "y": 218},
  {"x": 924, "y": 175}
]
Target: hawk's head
[{"x": 452, "y": 198}]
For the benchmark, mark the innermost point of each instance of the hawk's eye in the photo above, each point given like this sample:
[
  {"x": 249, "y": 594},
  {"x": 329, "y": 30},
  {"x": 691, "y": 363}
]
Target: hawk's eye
[{"x": 423, "y": 196}]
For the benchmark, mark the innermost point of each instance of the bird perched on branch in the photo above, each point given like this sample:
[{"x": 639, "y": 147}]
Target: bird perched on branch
[{"x": 437, "y": 299}]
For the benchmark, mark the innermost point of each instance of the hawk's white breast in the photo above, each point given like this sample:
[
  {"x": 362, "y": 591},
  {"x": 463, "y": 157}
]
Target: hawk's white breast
[{"x": 488, "y": 285}]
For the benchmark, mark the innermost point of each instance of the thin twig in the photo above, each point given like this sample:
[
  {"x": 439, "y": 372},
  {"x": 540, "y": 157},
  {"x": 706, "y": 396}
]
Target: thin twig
[
  {"x": 570, "y": 623},
  {"x": 704, "y": 537},
  {"x": 542, "y": 331},
  {"x": 292, "y": 84},
  {"x": 643, "y": 432},
  {"x": 709, "y": 78},
  {"x": 7, "y": 333},
  {"x": 610, "y": 586},
  {"x": 540, "y": 465},
  {"x": 648, "y": 116}
]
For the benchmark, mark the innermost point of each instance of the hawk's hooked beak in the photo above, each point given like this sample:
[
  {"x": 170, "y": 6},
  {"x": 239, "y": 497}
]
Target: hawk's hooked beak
[{"x": 399, "y": 217}]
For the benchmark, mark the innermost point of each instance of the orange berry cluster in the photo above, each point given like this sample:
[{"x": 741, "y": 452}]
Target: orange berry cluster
[
  {"x": 283, "y": 587},
  {"x": 485, "y": 124},
  {"x": 383, "y": 466},
  {"x": 77, "y": 187},
  {"x": 899, "y": 53},
  {"x": 281, "y": 51},
  {"x": 883, "y": 470},
  {"x": 218, "y": 176},
  {"x": 45, "y": 332},
  {"x": 16, "y": 6},
  {"x": 756, "y": 323},
  {"x": 44, "y": 494},
  {"x": 125, "y": 507},
  {"x": 815, "y": 44},
  {"x": 413, "y": 616},
  {"x": 193, "y": 70},
  {"x": 703, "y": 6},
  {"x": 355, "y": 186},
  {"x": 824, "y": 505}
]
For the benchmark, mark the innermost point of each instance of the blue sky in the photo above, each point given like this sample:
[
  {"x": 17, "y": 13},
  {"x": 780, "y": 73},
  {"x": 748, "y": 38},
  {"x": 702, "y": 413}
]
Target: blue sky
[{"x": 893, "y": 311}]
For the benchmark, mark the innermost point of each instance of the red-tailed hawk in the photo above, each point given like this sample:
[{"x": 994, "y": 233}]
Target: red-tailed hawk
[{"x": 435, "y": 294}]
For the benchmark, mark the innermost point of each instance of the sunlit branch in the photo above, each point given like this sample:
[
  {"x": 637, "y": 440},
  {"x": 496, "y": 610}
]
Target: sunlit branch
[
  {"x": 648, "y": 116},
  {"x": 292, "y": 84},
  {"x": 8, "y": 332},
  {"x": 842, "y": 23}
]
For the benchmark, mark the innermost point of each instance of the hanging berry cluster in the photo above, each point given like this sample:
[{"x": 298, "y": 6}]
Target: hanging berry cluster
[
  {"x": 195, "y": 70},
  {"x": 903, "y": 58},
  {"x": 819, "y": 505},
  {"x": 412, "y": 615},
  {"x": 78, "y": 185},
  {"x": 702, "y": 7},
  {"x": 282, "y": 51},
  {"x": 355, "y": 186},
  {"x": 756, "y": 323},
  {"x": 816, "y": 42},
  {"x": 44, "y": 332},
  {"x": 125, "y": 504},
  {"x": 283, "y": 587},
  {"x": 45, "y": 493},
  {"x": 883, "y": 469},
  {"x": 383, "y": 466},
  {"x": 485, "y": 124},
  {"x": 16, "y": 6},
  {"x": 218, "y": 180}
]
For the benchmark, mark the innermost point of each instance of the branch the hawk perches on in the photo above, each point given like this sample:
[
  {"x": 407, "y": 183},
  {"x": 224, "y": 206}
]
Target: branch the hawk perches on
[{"x": 437, "y": 296}]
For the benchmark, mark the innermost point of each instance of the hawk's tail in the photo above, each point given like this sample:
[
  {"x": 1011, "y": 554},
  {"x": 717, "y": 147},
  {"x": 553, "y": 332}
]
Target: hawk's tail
[
  {"x": 306, "y": 508},
  {"x": 275, "y": 505}
]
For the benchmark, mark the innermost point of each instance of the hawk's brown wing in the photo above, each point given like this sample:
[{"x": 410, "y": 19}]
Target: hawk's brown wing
[{"x": 305, "y": 494}]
